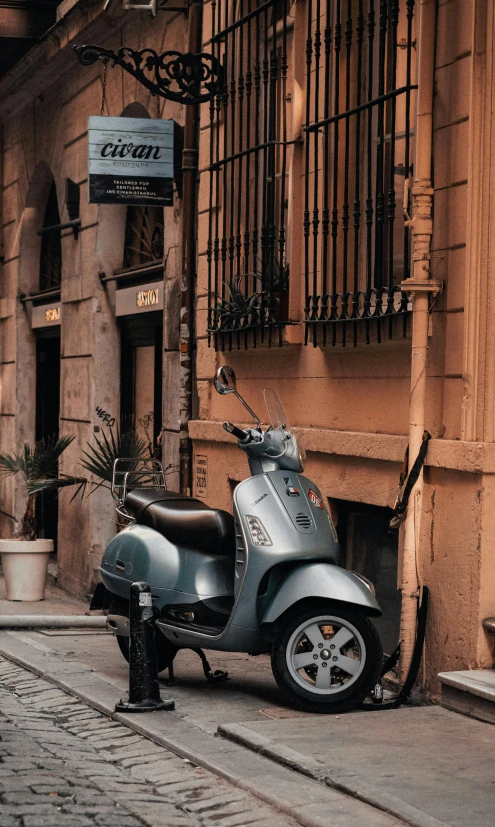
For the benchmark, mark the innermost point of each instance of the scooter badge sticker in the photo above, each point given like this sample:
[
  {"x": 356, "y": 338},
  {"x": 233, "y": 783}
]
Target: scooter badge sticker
[
  {"x": 315, "y": 499},
  {"x": 291, "y": 490}
]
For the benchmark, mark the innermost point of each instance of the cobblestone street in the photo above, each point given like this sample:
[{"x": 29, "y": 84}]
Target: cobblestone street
[{"x": 62, "y": 763}]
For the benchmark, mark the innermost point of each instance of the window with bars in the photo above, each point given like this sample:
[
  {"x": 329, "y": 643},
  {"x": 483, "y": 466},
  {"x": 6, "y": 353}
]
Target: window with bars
[
  {"x": 144, "y": 237},
  {"x": 51, "y": 246},
  {"x": 360, "y": 102},
  {"x": 357, "y": 148},
  {"x": 248, "y": 258}
]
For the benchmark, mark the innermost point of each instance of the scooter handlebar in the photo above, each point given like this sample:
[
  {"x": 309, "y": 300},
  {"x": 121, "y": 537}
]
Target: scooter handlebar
[{"x": 237, "y": 432}]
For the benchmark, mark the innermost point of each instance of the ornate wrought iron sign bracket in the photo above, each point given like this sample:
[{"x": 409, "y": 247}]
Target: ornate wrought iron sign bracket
[{"x": 177, "y": 76}]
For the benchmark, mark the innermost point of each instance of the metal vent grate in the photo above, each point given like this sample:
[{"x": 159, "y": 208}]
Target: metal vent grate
[
  {"x": 240, "y": 556},
  {"x": 303, "y": 520}
]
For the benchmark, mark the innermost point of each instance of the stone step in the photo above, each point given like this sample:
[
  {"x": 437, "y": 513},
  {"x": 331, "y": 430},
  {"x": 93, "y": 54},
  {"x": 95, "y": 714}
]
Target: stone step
[{"x": 471, "y": 693}]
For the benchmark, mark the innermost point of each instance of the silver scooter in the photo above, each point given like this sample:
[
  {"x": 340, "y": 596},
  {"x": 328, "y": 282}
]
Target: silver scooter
[{"x": 265, "y": 580}]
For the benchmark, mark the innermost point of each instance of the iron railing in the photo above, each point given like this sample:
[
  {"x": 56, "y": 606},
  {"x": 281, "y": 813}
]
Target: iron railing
[
  {"x": 357, "y": 150},
  {"x": 248, "y": 271},
  {"x": 360, "y": 64}
]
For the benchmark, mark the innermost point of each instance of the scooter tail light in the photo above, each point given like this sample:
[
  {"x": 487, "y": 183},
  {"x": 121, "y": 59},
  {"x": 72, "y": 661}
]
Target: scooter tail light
[{"x": 258, "y": 532}]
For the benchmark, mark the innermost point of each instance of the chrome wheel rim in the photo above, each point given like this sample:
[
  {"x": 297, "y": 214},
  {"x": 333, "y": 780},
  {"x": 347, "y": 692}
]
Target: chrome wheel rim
[{"x": 325, "y": 655}]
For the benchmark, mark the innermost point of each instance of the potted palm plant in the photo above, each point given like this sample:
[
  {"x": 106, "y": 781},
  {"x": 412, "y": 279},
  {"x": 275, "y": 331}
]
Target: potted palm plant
[
  {"x": 25, "y": 556},
  {"x": 99, "y": 459}
]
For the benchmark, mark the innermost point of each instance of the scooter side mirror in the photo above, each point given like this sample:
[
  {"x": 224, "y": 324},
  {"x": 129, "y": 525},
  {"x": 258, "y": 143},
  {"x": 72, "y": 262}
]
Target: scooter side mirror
[{"x": 225, "y": 381}]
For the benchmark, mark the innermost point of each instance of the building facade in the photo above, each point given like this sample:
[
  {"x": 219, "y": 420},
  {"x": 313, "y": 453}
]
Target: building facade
[
  {"x": 87, "y": 316},
  {"x": 337, "y": 127},
  {"x": 344, "y": 258}
]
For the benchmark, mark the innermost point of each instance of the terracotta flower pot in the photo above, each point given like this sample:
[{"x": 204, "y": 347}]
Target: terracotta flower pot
[{"x": 25, "y": 563}]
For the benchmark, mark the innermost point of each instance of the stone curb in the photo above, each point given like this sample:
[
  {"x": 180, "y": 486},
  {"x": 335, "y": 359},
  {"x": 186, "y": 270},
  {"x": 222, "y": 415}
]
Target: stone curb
[
  {"x": 310, "y": 767},
  {"x": 271, "y": 797}
]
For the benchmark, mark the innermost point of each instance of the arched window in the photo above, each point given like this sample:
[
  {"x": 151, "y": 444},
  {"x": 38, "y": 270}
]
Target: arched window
[
  {"x": 51, "y": 246},
  {"x": 143, "y": 236}
]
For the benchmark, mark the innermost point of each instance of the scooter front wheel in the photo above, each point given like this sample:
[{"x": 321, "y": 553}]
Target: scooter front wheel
[{"x": 326, "y": 658}]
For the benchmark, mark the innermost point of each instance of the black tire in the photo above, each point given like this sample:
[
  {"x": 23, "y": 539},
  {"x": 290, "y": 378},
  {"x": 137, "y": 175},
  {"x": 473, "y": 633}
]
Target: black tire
[
  {"x": 165, "y": 651},
  {"x": 345, "y": 690}
]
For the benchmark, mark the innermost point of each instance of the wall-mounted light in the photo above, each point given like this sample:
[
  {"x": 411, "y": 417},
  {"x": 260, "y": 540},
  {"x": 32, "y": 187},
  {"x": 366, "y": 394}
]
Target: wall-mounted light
[{"x": 116, "y": 8}]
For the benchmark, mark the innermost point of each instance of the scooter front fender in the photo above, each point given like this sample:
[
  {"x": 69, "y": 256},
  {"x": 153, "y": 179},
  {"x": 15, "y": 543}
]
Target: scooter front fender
[{"x": 321, "y": 580}]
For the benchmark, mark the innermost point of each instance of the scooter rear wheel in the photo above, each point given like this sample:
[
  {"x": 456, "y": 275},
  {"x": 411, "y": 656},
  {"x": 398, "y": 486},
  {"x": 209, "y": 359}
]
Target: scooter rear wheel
[
  {"x": 326, "y": 658},
  {"x": 165, "y": 651}
]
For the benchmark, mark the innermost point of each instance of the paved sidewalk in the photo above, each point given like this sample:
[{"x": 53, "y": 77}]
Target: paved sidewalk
[
  {"x": 63, "y": 764},
  {"x": 425, "y": 765},
  {"x": 56, "y": 602},
  {"x": 50, "y": 734}
]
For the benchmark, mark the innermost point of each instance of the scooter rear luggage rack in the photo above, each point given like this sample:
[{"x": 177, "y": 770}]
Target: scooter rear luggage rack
[{"x": 130, "y": 473}]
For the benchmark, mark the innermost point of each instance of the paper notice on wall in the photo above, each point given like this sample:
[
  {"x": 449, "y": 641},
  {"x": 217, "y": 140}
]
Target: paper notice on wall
[{"x": 201, "y": 475}]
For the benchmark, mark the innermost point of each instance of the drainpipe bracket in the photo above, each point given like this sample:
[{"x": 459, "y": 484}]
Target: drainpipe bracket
[
  {"x": 420, "y": 224},
  {"x": 413, "y": 285},
  {"x": 420, "y": 189}
]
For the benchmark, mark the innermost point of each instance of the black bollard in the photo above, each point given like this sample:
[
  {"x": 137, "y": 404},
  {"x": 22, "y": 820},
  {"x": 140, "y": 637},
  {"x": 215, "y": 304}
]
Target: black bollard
[{"x": 144, "y": 692}]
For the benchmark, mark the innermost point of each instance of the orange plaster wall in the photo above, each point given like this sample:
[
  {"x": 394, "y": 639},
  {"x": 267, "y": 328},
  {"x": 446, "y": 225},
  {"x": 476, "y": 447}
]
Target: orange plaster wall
[{"x": 450, "y": 565}]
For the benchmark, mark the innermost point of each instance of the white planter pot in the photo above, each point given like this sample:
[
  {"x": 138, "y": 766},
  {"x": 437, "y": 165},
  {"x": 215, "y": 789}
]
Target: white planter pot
[{"x": 25, "y": 564}]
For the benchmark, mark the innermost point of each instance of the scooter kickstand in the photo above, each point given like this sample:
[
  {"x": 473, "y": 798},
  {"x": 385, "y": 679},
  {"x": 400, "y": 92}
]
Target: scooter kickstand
[
  {"x": 171, "y": 680},
  {"x": 211, "y": 677}
]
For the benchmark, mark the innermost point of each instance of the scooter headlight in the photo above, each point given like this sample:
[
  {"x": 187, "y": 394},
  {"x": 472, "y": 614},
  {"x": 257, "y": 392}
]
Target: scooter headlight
[{"x": 258, "y": 532}]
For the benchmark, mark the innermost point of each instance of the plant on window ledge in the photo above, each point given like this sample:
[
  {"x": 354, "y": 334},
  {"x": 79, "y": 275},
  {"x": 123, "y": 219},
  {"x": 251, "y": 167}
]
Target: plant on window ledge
[
  {"x": 278, "y": 288},
  {"x": 241, "y": 309},
  {"x": 280, "y": 277}
]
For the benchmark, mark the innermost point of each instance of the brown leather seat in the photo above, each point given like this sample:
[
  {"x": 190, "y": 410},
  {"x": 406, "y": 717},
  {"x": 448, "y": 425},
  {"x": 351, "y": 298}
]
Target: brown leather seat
[{"x": 183, "y": 520}]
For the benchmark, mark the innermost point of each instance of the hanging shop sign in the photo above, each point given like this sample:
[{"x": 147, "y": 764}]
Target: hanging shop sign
[
  {"x": 131, "y": 160},
  {"x": 46, "y": 315},
  {"x": 144, "y": 298}
]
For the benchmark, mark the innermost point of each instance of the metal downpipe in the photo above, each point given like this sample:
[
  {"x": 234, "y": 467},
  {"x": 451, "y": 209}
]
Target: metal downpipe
[
  {"x": 419, "y": 287},
  {"x": 187, "y": 343}
]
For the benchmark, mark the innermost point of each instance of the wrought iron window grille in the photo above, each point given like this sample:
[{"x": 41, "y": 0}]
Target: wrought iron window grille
[
  {"x": 247, "y": 255},
  {"x": 358, "y": 143},
  {"x": 144, "y": 236}
]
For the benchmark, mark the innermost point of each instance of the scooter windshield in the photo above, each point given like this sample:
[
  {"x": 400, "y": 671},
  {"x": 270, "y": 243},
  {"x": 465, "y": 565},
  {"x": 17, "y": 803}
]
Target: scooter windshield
[{"x": 278, "y": 417}]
